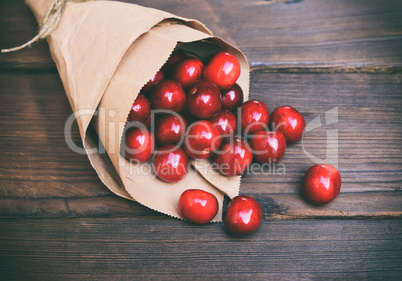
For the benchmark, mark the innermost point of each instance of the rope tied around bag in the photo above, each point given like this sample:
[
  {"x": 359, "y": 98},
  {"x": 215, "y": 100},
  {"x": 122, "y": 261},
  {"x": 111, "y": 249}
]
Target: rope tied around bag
[{"x": 49, "y": 22}]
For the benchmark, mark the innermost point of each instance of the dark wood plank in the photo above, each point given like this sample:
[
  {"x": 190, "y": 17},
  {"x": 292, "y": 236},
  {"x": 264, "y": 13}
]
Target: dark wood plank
[
  {"x": 307, "y": 34},
  {"x": 369, "y": 127},
  {"x": 94, "y": 206},
  {"x": 17, "y": 26},
  {"x": 41, "y": 177},
  {"x": 344, "y": 35},
  {"x": 36, "y": 162},
  {"x": 59, "y": 222},
  {"x": 168, "y": 249},
  {"x": 274, "y": 206}
]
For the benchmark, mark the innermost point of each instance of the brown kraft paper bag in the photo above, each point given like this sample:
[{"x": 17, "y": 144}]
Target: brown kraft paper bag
[{"x": 105, "y": 52}]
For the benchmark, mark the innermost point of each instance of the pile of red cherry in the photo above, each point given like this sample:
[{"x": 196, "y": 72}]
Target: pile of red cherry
[{"x": 196, "y": 102}]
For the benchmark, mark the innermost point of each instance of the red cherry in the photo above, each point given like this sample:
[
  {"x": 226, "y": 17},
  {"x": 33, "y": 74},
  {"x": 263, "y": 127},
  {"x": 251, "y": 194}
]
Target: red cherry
[
  {"x": 159, "y": 76},
  {"x": 226, "y": 123},
  {"x": 243, "y": 215},
  {"x": 171, "y": 163},
  {"x": 254, "y": 116},
  {"x": 232, "y": 98},
  {"x": 268, "y": 147},
  {"x": 139, "y": 145},
  {"x": 223, "y": 69},
  {"x": 174, "y": 57},
  {"x": 168, "y": 95},
  {"x": 289, "y": 122},
  {"x": 233, "y": 157},
  {"x": 322, "y": 184},
  {"x": 140, "y": 110},
  {"x": 187, "y": 71},
  {"x": 198, "y": 206},
  {"x": 204, "y": 99},
  {"x": 169, "y": 129},
  {"x": 202, "y": 139}
]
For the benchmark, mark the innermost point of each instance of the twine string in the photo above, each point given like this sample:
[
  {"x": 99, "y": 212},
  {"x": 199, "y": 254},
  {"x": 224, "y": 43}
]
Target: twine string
[{"x": 49, "y": 22}]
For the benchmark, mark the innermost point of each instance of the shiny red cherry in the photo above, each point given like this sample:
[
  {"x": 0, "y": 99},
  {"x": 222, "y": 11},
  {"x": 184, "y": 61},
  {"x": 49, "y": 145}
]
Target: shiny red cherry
[
  {"x": 322, "y": 184},
  {"x": 202, "y": 139},
  {"x": 140, "y": 110},
  {"x": 169, "y": 95},
  {"x": 139, "y": 145},
  {"x": 170, "y": 129},
  {"x": 171, "y": 163},
  {"x": 254, "y": 116},
  {"x": 204, "y": 99},
  {"x": 223, "y": 70},
  {"x": 268, "y": 147},
  {"x": 159, "y": 76},
  {"x": 174, "y": 58},
  {"x": 187, "y": 71},
  {"x": 198, "y": 206},
  {"x": 233, "y": 157},
  {"x": 232, "y": 97},
  {"x": 226, "y": 123},
  {"x": 289, "y": 122},
  {"x": 243, "y": 215}
]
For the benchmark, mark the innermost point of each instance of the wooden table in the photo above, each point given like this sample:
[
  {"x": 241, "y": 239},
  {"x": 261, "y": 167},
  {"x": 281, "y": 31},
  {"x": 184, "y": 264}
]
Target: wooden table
[{"x": 59, "y": 222}]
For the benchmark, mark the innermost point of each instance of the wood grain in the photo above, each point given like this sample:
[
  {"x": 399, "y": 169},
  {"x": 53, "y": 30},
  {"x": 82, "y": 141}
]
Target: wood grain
[
  {"x": 59, "y": 222},
  {"x": 377, "y": 205},
  {"x": 17, "y": 26},
  {"x": 41, "y": 177},
  {"x": 134, "y": 248},
  {"x": 362, "y": 35}
]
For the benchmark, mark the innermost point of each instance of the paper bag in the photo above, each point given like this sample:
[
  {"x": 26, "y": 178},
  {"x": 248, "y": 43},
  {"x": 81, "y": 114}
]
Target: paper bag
[{"x": 105, "y": 52}]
